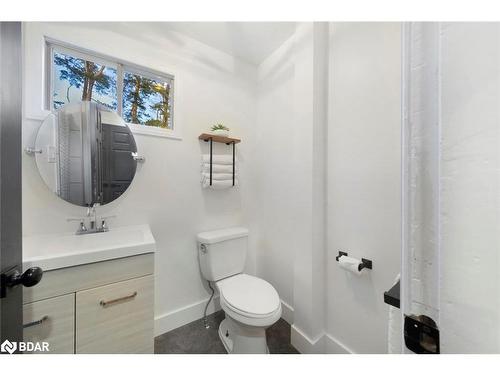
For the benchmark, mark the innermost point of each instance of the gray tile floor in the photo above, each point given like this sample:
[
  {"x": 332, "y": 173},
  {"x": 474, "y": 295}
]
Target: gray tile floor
[{"x": 194, "y": 338}]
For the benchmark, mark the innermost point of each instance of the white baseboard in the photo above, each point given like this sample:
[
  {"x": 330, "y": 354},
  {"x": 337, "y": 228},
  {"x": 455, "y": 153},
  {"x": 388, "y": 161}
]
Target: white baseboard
[
  {"x": 287, "y": 312},
  {"x": 304, "y": 344},
  {"x": 187, "y": 314},
  {"x": 323, "y": 344},
  {"x": 334, "y": 346}
]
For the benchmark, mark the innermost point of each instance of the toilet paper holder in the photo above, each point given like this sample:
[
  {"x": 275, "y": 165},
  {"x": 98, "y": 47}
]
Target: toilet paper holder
[{"x": 365, "y": 263}]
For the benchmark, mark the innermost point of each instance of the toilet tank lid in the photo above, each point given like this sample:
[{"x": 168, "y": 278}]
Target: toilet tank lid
[{"x": 220, "y": 235}]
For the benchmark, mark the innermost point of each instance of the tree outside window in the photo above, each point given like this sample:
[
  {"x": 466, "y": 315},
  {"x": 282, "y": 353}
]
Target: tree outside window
[
  {"x": 83, "y": 80},
  {"x": 146, "y": 99}
]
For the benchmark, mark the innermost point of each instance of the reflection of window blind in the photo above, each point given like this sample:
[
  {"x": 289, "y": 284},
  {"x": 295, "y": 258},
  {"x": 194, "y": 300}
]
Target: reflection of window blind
[
  {"x": 70, "y": 157},
  {"x": 64, "y": 167}
]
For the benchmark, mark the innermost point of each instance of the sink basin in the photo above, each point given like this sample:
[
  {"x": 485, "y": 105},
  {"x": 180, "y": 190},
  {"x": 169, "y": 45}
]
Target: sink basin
[{"x": 65, "y": 250}]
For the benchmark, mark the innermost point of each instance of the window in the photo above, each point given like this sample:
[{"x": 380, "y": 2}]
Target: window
[
  {"x": 141, "y": 96},
  {"x": 146, "y": 100},
  {"x": 76, "y": 78}
]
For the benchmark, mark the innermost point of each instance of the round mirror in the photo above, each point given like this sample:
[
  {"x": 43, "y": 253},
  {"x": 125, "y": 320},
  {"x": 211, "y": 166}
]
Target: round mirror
[{"x": 84, "y": 153}]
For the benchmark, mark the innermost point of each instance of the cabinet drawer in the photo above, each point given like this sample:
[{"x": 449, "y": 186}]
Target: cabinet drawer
[
  {"x": 53, "y": 321},
  {"x": 72, "y": 279},
  {"x": 116, "y": 318}
]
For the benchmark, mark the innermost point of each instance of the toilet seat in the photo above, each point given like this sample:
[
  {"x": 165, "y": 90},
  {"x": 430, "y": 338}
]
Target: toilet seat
[{"x": 249, "y": 300}]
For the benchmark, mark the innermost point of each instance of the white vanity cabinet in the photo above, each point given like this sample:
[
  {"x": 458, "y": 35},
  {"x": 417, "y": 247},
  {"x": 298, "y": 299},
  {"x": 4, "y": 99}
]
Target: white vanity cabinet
[{"x": 101, "y": 307}]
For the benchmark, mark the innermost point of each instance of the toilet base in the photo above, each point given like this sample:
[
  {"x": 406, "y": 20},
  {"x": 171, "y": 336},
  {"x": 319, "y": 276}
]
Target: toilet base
[
  {"x": 238, "y": 338},
  {"x": 225, "y": 336}
]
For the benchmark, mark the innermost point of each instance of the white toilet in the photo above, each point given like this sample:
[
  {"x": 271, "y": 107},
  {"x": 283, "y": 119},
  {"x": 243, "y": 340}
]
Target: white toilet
[{"x": 250, "y": 304}]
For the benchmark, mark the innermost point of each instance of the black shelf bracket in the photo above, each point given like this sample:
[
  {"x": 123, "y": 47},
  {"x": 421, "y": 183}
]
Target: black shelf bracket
[
  {"x": 234, "y": 153},
  {"x": 211, "y": 157}
]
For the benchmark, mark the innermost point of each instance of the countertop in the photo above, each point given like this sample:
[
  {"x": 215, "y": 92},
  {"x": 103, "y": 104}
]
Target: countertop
[{"x": 54, "y": 251}]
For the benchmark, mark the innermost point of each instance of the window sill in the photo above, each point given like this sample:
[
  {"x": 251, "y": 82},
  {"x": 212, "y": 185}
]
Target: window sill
[{"x": 154, "y": 132}]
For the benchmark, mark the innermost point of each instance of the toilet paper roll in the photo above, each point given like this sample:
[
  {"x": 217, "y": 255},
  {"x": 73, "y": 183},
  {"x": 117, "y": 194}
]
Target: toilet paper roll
[{"x": 350, "y": 264}]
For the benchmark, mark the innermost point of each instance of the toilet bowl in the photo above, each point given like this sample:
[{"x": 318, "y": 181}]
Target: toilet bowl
[{"x": 250, "y": 304}]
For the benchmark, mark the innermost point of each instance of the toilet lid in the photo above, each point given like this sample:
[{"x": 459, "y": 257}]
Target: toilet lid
[{"x": 249, "y": 294}]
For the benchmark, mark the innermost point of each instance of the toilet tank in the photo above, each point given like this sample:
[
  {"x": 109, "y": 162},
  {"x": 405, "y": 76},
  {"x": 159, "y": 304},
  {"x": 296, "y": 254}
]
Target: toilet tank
[{"x": 222, "y": 253}]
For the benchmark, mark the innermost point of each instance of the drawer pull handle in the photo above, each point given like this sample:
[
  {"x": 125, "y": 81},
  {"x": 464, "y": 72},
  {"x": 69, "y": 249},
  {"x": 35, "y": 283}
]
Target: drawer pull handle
[
  {"x": 121, "y": 299},
  {"x": 36, "y": 322}
]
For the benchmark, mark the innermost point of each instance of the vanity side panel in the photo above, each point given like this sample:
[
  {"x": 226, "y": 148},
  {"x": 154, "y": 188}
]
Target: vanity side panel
[{"x": 73, "y": 279}]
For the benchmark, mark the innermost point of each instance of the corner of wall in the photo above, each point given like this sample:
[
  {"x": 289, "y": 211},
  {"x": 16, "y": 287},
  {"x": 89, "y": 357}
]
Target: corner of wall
[
  {"x": 322, "y": 344},
  {"x": 287, "y": 312},
  {"x": 305, "y": 344},
  {"x": 311, "y": 116}
]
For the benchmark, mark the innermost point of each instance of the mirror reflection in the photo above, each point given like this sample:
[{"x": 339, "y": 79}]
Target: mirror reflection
[{"x": 84, "y": 154}]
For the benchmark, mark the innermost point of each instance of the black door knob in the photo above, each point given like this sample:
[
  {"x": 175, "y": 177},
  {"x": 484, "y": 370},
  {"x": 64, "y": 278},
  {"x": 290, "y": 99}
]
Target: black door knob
[{"x": 30, "y": 277}]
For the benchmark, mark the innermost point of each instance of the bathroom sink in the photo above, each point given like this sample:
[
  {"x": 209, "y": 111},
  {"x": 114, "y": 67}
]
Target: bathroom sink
[{"x": 65, "y": 250}]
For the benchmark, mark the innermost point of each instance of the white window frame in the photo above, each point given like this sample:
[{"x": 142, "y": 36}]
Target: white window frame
[{"x": 121, "y": 67}]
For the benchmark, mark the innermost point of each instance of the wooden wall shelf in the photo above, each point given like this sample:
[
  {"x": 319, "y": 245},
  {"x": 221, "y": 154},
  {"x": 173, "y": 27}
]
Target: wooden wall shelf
[{"x": 219, "y": 139}]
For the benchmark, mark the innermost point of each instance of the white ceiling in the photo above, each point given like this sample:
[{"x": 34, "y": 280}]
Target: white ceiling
[{"x": 250, "y": 41}]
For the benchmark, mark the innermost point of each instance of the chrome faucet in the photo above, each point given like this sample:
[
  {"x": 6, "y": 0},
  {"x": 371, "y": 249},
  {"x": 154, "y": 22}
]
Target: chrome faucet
[
  {"x": 82, "y": 229},
  {"x": 93, "y": 220},
  {"x": 92, "y": 214},
  {"x": 104, "y": 226}
]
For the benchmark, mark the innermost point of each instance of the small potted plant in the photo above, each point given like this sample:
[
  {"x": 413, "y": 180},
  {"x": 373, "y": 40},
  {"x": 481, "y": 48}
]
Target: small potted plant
[{"x": 220, "y": 130}]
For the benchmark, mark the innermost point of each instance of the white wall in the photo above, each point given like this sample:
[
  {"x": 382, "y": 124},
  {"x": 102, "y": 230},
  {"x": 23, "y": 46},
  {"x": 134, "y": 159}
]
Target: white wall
[
  {"x": 274, "y": 167},
  {"x": 363, "y": 181},
  {"x": 211, "y": 86},
  {"x": 470, "y": 188},
  {"x": 454, "y": 275},
  {"x": 310, "y": 107},
  {"x": 470, "y": 167},
  {"x": 420, "y": 295},
  {"x": 289, "y": 176},
  {"x": 332, "y": 312}
]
